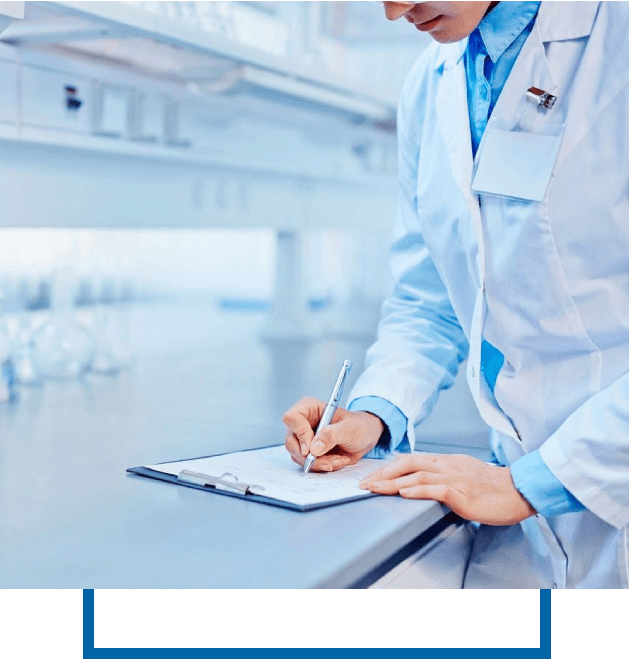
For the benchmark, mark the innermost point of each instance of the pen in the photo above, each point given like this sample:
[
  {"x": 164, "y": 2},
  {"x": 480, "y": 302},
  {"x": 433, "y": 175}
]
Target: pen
[{"x": 331, "y": 407}]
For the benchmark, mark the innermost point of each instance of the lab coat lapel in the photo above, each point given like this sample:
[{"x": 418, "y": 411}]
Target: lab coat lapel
[
  {"x": 531, "y": 69},
  {"x": 451, "y": 107},
  {"x": 535, "y": 68}
]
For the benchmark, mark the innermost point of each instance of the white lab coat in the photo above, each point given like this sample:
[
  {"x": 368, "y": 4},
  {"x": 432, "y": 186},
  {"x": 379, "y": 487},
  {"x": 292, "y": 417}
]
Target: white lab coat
[{"x": 545, "y": 283}]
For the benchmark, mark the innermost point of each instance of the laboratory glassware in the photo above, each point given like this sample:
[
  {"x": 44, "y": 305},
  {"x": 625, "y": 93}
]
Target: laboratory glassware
[
  {"x": 7, "y": 373},
  {"x": 26, "y": 372},
  {"x": 105, "y": 361},
  {"x": 122, "y": 323},
  {"x": 63, "y": 348}
]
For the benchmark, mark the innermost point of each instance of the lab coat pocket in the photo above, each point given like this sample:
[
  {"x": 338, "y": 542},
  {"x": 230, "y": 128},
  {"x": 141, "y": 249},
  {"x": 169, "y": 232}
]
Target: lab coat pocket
[{"x": 518, "y": 163}]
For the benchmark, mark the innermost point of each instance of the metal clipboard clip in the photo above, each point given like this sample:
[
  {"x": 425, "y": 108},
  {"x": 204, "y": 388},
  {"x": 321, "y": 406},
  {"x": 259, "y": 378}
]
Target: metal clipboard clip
[
  {"x": 542, "y": 98},
  {"x": 220, "y": 483}
]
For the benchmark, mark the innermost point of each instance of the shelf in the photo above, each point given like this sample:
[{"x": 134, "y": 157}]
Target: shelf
[
  {"x": 56, "y": 179},
  {"x": 228, "y": 161},
  {"x": 181, "y": 128},
  {"x": 120, "y": 32}
]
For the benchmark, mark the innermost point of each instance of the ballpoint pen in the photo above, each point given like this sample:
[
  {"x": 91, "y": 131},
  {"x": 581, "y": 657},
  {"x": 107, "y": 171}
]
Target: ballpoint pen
[{"x": 331, "y": 407}]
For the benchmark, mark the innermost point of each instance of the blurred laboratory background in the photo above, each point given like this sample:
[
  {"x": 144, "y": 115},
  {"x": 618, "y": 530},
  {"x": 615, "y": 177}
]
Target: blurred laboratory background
[{"x": 196, "y": 201}]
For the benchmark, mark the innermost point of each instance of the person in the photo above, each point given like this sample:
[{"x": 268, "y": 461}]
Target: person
[{"x": 511, "y": 251}]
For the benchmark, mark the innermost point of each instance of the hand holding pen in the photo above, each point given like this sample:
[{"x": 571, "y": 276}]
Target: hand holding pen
[
  {"x": 341, "y": 437},
  {"x": 331, "y": 407}
]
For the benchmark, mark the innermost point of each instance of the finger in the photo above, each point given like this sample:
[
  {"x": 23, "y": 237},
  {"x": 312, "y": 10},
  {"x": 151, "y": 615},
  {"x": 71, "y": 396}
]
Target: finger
[
  {"x": 327, "y": 438},
  {"x": 331, "y": 463},
  {"x": 442, "y": 493},
  {"x": 327, "y": 464},
  {"x": 309, "y": 407},
  {"x": 292, "y": 445},
  {"x": 321, "y": 468},
  {"x": 300, "y": 420},
  {"x": 402, "y": 466},
  {"x": 394, "y": 486}
]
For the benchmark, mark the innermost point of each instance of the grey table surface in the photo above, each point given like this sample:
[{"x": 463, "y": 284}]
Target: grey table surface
[{"x": 70, "y": 517}]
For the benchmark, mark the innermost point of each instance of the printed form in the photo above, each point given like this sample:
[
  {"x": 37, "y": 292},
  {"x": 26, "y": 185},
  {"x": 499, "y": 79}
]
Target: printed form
[{"x": 278, "y": 477}]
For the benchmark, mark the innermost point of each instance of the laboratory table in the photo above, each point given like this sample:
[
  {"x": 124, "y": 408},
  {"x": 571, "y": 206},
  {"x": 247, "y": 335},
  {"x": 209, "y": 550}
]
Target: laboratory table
[{"x": 70, "y": 516}]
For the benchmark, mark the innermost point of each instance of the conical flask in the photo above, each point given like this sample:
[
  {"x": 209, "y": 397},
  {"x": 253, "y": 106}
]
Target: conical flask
[
  {"x": 26, "y": 373},
  {"x": 7, "y": 374},
  {"x": 63, "y": 348}
]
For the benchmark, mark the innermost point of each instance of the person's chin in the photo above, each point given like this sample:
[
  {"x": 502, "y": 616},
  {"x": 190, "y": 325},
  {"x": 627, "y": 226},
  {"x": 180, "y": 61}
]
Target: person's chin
[
  {"x": 444, "y": 36},
  {"x": 444, "y": 30}
]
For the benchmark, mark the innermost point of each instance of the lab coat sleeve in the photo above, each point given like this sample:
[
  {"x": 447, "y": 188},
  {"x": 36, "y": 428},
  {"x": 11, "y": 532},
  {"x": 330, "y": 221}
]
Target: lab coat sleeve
[
  {"x": 395, "y": 434},
  {"x": 588, "y": 453},
  {"x": 420, "y": 342},
  {"x": 541, "y": 488}
]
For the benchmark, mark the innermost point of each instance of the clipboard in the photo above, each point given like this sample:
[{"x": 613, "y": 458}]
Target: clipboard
[{"x": 229, "y": 484}]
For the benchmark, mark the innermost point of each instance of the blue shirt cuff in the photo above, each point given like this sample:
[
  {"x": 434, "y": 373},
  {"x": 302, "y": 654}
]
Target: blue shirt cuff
[
  {"x": 541, "y": 488},
  {"x": 395, "y": 434}
]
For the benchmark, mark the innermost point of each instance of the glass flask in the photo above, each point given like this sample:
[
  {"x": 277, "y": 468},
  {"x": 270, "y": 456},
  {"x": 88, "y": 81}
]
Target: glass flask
[
  {"x": 105, "y": 360},
  {"x": 26, "y": 373},
  {"x": 111, "y": 326},
  {"x": 7, "y": 373},
  {"x": 22, "y": 355},
  {"x": 62, "y": 348}
]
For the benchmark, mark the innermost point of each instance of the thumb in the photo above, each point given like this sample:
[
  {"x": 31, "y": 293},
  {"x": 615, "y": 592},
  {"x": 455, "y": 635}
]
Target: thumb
[{"x": 327, "y": 438}]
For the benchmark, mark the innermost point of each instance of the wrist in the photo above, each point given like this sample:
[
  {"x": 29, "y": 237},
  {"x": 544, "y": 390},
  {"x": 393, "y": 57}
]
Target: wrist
[
  {"x": 528, "y": 509},
  {"x": 375, "y": 427},
  {"x": 376, "y": 422}
]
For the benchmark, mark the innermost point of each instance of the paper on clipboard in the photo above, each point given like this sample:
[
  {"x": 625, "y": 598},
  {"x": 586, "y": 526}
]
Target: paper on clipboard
[{"x": 272, "y": 469}]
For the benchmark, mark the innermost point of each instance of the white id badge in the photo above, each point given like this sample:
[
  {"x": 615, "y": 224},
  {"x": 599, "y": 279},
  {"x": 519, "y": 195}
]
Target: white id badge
[{"x": 517, "y": 163}]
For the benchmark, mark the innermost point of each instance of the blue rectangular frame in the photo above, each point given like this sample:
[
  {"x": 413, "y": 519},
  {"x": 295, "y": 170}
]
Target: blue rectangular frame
[{"x": 544, "y": 652}]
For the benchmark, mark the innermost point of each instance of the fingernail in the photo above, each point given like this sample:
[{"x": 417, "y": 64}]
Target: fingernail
[
  {"x": 304, "y": 448},
  {"x": 318, "y": 445},
  {"x": 376, "y": 485},
  {"x": 363, "y": 485},
  {"x": 327, "y": 468},
  {"x": 338, "y": 462},
  {"x": 404, "y": 492}
]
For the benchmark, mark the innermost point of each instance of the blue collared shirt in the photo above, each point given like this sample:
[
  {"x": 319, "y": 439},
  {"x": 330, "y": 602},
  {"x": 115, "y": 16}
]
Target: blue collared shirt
[{"x": 492, "y": 50}]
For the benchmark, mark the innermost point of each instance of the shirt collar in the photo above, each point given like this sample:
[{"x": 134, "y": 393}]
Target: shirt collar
[
  {"x": 556, "y": 21},
  {"x": 503, "y": 24}
]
